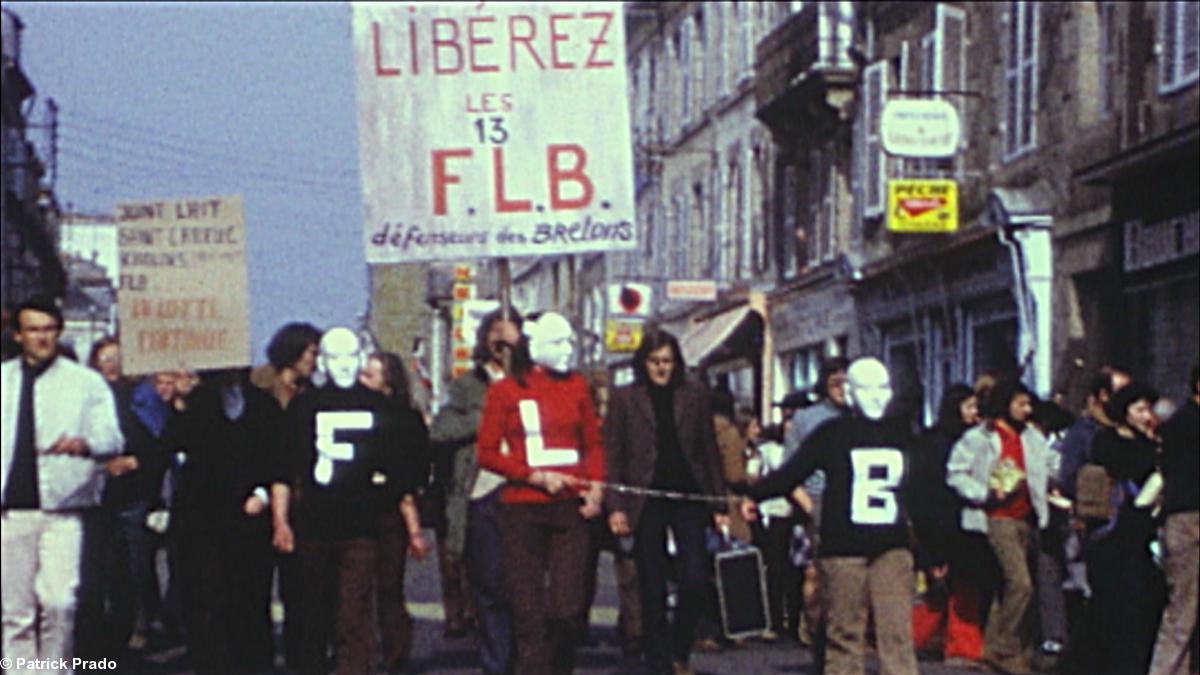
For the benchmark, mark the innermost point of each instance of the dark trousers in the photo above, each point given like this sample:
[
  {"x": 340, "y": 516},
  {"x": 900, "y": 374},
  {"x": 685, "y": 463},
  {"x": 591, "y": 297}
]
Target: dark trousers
[
  {"x": 545, "y": 550},
  {"x": 395, "y": 623},
  {"x": 783, "y": 587},
  {"x": 1128, "y": 595},
  {"x": 225, "y": 586},
  {"x": 345, "y": 567},
  {"x": 90, "y": 632},
  {"x": 485, "y": 567},
  {"x": 132, "y": 589},
  {"x": 671, "y": 641}
]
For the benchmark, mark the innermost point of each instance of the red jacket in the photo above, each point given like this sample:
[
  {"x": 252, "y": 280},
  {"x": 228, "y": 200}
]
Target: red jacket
[{"x": 549, "y": 424}]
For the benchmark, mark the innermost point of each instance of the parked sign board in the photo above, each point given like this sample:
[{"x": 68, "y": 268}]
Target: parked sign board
[
  {"x": 922, "y": 205},
  {"x": 183, "y": 291},
  {"x": 920, "y": 128},
  {"x": 493, "y": 129}
]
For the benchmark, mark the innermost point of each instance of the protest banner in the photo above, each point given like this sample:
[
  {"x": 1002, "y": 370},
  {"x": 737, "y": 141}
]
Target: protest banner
[
  {"x": 183, "y": 293},
  {"x": 493, "y": 130}
]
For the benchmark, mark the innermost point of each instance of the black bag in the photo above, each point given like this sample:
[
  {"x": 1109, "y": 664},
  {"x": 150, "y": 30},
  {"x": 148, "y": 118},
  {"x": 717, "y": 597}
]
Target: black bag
[{"x": 742, "y": 592}]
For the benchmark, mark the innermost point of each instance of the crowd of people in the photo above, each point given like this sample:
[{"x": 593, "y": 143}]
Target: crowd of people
[{"x": 1009, "y": 535}]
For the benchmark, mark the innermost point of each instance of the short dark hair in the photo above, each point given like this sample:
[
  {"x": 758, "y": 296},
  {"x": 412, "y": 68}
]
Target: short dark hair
[
  {"x": 830, "y": 366},
  {"x": 1102, "y": 381},
  {"x": 94, "y": 356},
  {"x": 40, "y": 303},
  {"x": 995, "y": 403},
  {"x": 653, "y": 341},
  {"x": 290, "y": 342},
  {"x": 483, "y": 351},
  {"x": 1126, "y": 396}
]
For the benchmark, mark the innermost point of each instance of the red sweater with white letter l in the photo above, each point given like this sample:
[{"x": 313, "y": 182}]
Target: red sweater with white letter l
[{"x": 549, "y": 424}]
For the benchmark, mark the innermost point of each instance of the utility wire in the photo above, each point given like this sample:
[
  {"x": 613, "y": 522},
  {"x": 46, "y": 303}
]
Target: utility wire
[
  {"x": 161, "y": 153},
  {"x": 191, "y": 141}
]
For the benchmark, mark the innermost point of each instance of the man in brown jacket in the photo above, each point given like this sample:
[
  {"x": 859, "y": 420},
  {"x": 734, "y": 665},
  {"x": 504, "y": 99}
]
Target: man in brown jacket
[{"x": 659, "y": 435}]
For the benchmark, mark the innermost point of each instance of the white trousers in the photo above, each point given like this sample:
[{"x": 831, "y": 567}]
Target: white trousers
[{"x": 39, "y": 555}]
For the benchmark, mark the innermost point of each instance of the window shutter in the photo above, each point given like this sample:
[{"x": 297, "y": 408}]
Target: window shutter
[
  {"x": 874, "y": 95},
  {"x": 1166, "y": 40},
  {"x": 1190, "y": 57}
]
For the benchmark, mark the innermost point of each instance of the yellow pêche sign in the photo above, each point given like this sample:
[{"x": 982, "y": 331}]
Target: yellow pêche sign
[
  {"x": 623, "y": 335},
  {"x": 922, "y": 205}
]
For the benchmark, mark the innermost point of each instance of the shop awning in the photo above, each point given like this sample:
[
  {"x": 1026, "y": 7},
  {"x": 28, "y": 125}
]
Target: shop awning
[
  {"x": 1179, "y": 145},
  {"x": 732, "y": 330}
]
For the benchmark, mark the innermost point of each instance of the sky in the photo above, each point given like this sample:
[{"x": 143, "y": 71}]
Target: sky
[{"x": 173, "y": 100}]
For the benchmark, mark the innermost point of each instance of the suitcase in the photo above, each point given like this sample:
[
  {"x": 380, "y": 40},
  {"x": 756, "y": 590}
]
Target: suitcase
[{"x": 742, "y": 592}]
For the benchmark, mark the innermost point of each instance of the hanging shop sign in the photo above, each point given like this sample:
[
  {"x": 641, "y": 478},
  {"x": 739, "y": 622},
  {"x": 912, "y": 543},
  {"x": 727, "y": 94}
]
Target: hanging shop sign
[
  {"x": 920, "y": 128},
  {"x": 623, "y": 335},
  {"x": 183, "y": 295},
  {"x": 627, "y": 300},
  {"x": 695, "y": 290},
  {"x": 493, "y": 129},
  {"x": 922, "y": 206}
]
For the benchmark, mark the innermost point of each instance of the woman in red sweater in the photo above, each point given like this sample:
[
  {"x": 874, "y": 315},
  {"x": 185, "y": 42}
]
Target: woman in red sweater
[{"x": 540, "y": 430}]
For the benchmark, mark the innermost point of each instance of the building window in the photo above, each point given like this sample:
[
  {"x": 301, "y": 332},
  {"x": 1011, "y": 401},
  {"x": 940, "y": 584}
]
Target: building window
[
  {"x": 685, "y": 72},
  {"x": 679, "y": 252},
  {"x": 794, "y": 238},
  {"x": 835, "y": 30},
  {"x": 1178, "y": 44},
  {"x": 1020, "y": 77},
  {"x": 697, "y": 233},
  {"x": 699, "y": 54},
  {"x": 759, "y": 178},
  {"x": 1109, "y": 51},
  {"x": 746, "y": 40},
  {"x": 942, "y": 69},
  {"x": 873, "y": 167}
]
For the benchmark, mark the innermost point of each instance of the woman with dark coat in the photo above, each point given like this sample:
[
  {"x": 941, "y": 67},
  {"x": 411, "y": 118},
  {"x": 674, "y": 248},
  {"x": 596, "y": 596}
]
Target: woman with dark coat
[
  {"x": 1128, "y": 589},
  {"x": 221, "y": 521},
  {"x": 960, "y": 561}
]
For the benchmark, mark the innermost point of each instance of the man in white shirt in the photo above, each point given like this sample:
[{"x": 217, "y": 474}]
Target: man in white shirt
[{"x": 58, "y": 424}]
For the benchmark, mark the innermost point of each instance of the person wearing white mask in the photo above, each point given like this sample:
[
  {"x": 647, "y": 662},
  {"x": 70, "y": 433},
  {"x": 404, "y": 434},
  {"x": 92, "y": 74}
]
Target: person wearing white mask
[
  {"x": 342, "y": 473},
  {"x": 545, "y": 414},
  {"x": 865, "y": 559}
]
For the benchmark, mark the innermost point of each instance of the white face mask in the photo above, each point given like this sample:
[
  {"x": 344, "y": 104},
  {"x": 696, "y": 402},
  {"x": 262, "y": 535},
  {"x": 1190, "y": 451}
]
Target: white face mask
[
  {"x": 551, "y": 342},
  {"x": 341, "y": 357},
  {"x": 869, "y": 387}
]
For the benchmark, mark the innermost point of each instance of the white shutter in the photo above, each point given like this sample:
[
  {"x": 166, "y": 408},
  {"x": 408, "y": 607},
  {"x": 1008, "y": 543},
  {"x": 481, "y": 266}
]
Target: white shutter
[
  {"x": 1190, "y": 39},
  {"x": 873, "y": 170},
  {"x": 1168, "y": 13}
]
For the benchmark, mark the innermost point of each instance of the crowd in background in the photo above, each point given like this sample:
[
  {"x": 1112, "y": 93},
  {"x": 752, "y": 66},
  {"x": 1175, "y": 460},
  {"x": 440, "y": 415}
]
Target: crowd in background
[{"x": 1040, "y": 538}]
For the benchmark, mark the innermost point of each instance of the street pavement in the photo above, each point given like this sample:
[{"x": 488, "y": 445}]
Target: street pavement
[{"x": 434, "y": 653}]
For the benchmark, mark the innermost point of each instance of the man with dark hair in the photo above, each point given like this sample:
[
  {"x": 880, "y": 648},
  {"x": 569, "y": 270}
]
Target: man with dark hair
[
  {"x": 292, "y": 357},
  {"x": 1001, "y": 469},
  {"x": 292, "y": 360},
  {"x": 473, "y": 494},
  {"x": 1076, "y": 446},
  {"x": 659, "y": 434},
  {"x": 57, "y": 420},
  {"x": 831, "y": 404},
  {"x": 1181, "y": 504}
]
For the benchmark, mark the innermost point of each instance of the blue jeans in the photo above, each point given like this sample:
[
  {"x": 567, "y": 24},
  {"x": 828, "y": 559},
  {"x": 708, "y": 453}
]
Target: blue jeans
[{"x": 485, "y": 566}]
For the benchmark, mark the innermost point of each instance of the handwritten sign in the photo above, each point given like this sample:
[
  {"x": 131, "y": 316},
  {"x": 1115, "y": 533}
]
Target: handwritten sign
[
  {"x": 493, "y": 129},
  {"x": 183, "y": 291}
]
